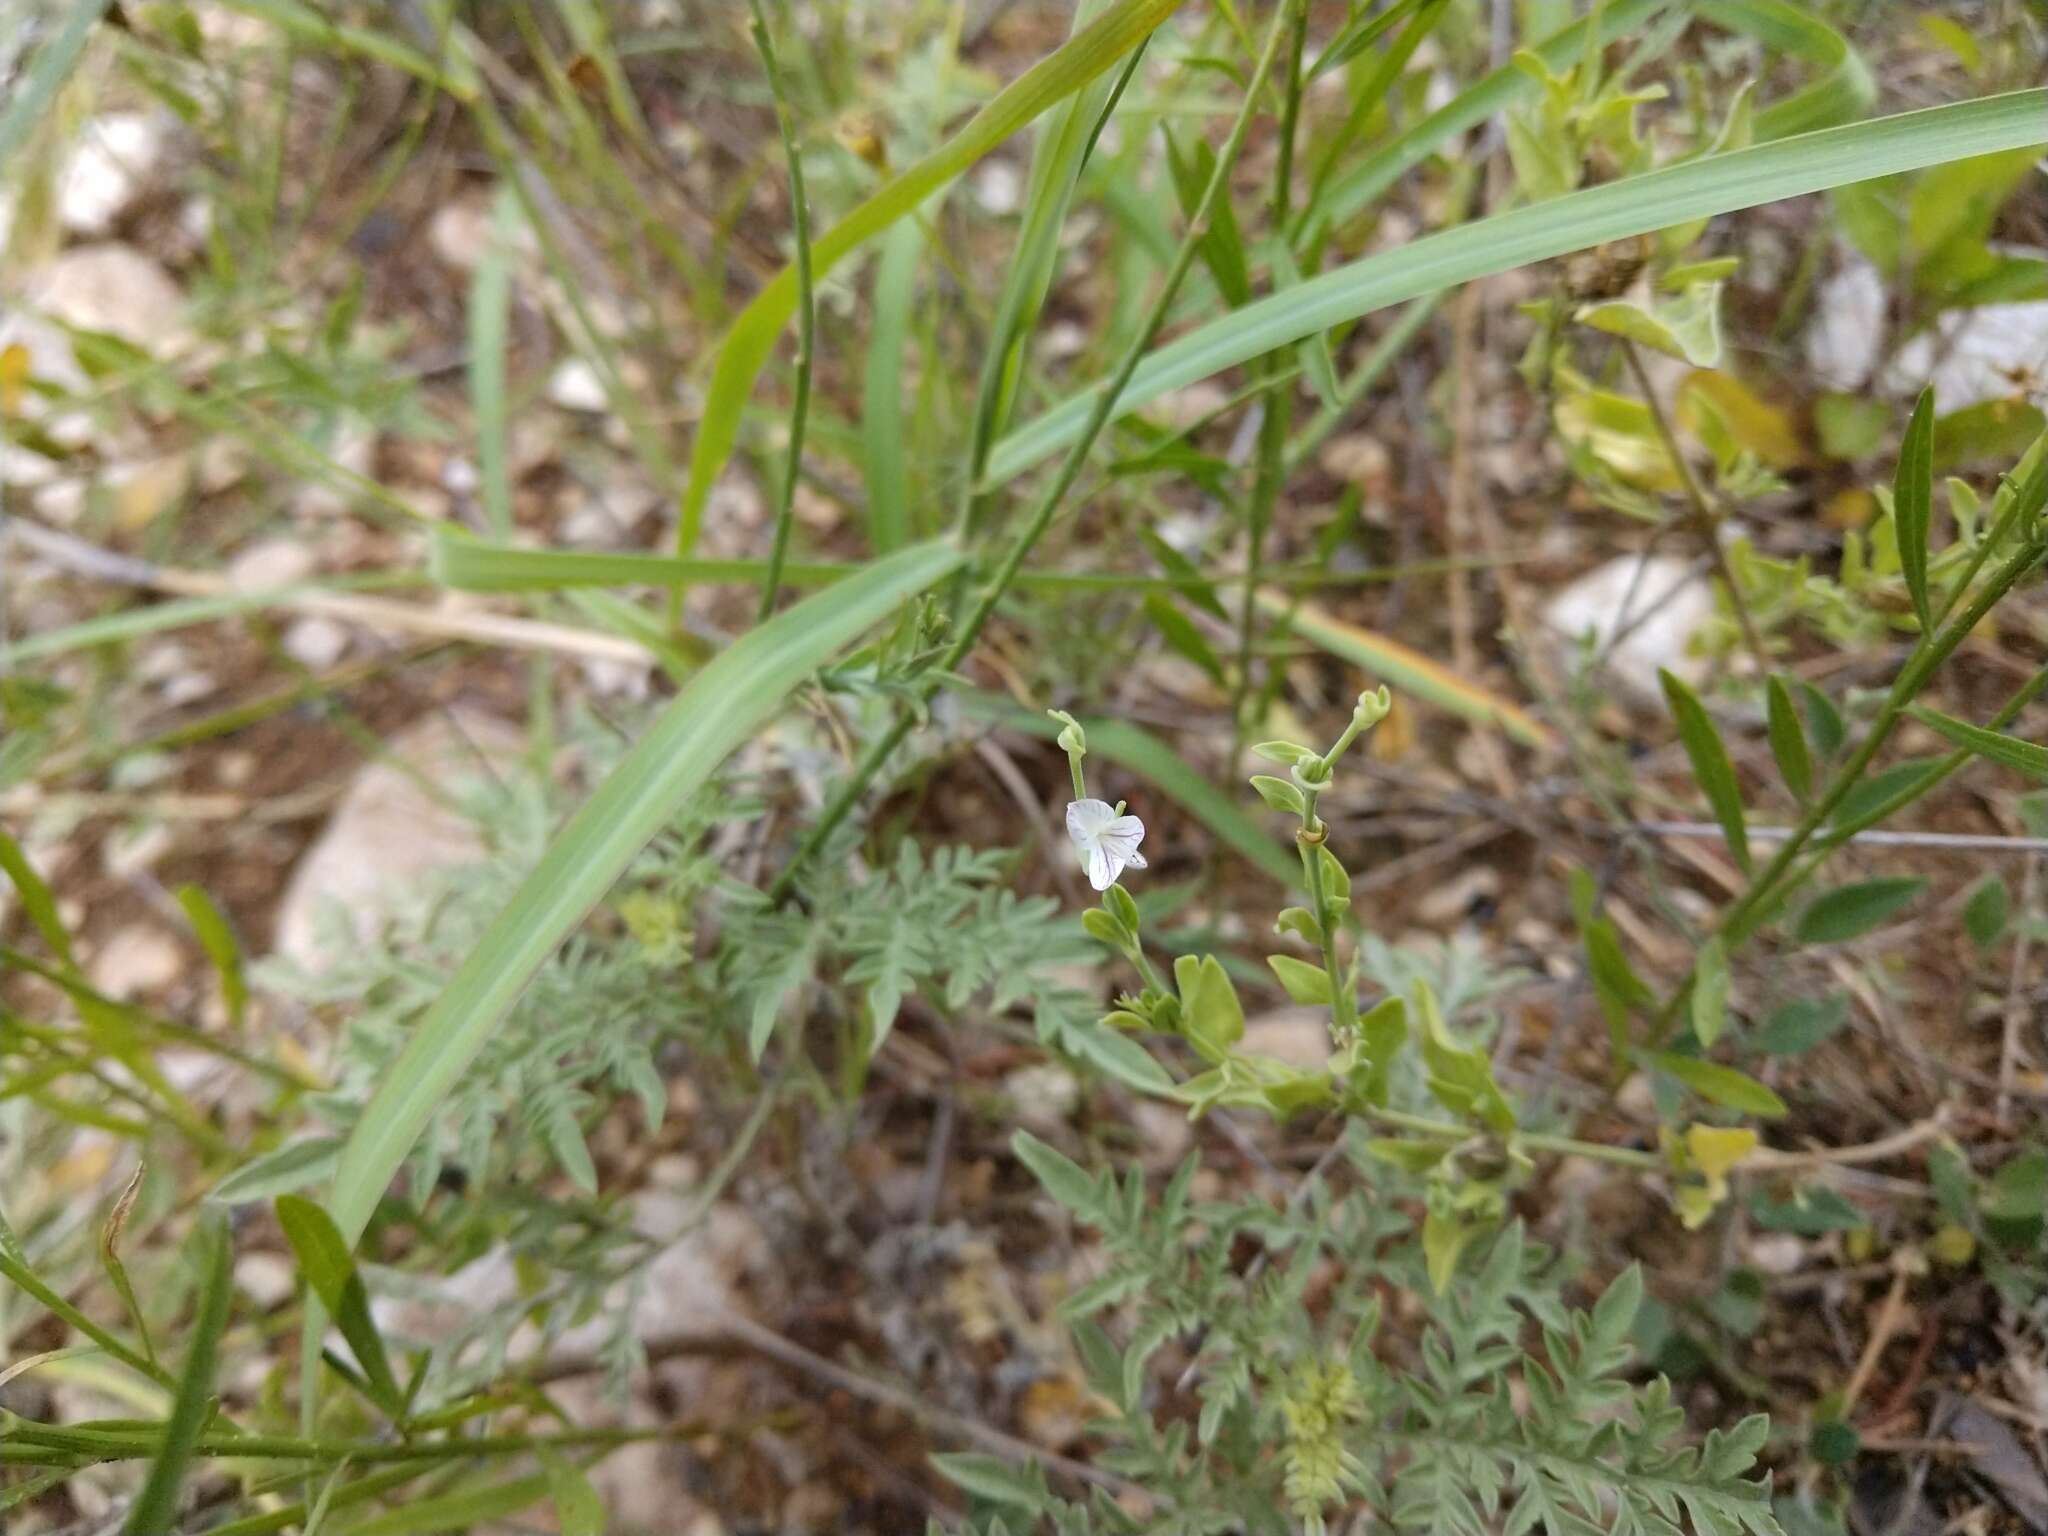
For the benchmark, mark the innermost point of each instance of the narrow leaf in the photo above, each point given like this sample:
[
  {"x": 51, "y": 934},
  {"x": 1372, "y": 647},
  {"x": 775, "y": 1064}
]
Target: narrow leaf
[
  {"x": 279, "y": 1171},
  {"x": 2028, "y": 757},
  {"x": 1710, "y": 992},
  {"x": 1913, "y": 504},
  {"x": 1064, "y": 1179},
  {"x": 1788, "y": 740},
  {"x": 883, "y": 455},
  {"x": 1721, "y": 1085},
  {"x": 330, "y": 1269},
  {"x": 1710, "y": 764},
  {"x": 1850, "y": 911},
  {"x": 210, "y": 926}
]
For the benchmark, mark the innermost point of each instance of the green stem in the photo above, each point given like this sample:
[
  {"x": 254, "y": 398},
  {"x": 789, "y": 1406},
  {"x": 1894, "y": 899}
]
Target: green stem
[
  {"x": 1569, "y": 1146},
  {"x": 1343, "y": 1004},
  {"x": 807, "y": 319},
  {"x": 133, "y": 1444},
  {"x": 1055, "y": 493},
  {"x": 1278, "y": 417}
]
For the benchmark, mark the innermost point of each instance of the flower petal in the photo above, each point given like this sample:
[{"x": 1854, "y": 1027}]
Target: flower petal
[
  {"x": 1087, "y": 818},
  {"x": 1125, "y": 826},
  {"x": 1102, "y": 871}
]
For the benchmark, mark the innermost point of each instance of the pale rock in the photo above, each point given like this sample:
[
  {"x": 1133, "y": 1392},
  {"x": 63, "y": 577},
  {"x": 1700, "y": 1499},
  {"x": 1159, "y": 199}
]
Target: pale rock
[
  {"x": 222, "y": 463},
  {"x": 273, "y": 563},
  {"x": 1063, "y": 339},
  {"x": 574, "y": 385},
  {"x": 116, "y": 156},
  {"x": 1298, "y": 1036},
  {"x": 1845, "y": 337},
  {"x": 268, "y": 1279},
  {"x": 1449, "y": 903},
  {"x": 316, "y": 642},
  {"x": 434, "y": 1308},
  {"x": 1182, "y": 408},
  {"x": 388, "y": 832},
  {"x": 138, "y": 959},
  {"x": 111, "y": 288},
  {"x": 1777, "y": 1253},
  {"x": 459, "y": 477},
  {"x": 999, "y": 187},
  {"x": 615, "y": 677},
  {"x": 459, "y": 233},
  {"x": 1042, "y": 1097},
  {"x": 1357, "y": 458},
  {"x": 1973, "y": 355},
  {"x": 1164, "y": 1132},
  {"x": 61, "y": 502},
  {"x": 1657, "y": 599}
]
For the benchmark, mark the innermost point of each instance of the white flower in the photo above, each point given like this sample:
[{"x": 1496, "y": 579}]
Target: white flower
[{"x": 1107, "y": 841}]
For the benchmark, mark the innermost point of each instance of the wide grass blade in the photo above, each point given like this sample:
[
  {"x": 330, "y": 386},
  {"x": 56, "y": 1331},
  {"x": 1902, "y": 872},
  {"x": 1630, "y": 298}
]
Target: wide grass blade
[
  {"x": 1842, "y": 89},
  {"x": 1696, "y": 189},
  {"x": 38, "y": 87},
  {"x": 881, "y": 416},
  {"x": 156, "y": 1508},
  {"x": 1406, "y": 669},
  {"x": 752, "y": 337},
  {"x": 720, "y": 709}
]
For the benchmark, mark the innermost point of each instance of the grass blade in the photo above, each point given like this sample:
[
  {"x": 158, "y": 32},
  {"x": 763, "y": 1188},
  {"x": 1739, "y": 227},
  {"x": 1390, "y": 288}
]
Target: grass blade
[
  {"x": 1710, "y": 764},
  {"x": 723, "y": 705},
  {"x": 1811, "y": 162},
  {"x": 156, "y": 1508},
  {"x": 1913, "y": 505},
  {"x": 330, "y": 1269},
  {"x": 34, "y": 92},
  {"x": 747, "y": 345},
  {"x": 2027, "y": 757},
  {"x": 1406, "y": 669},
  {"x": 881, "y": 417}
]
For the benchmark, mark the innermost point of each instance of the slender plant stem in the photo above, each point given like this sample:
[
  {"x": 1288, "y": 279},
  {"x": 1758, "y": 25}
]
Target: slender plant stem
[
  {"x": 806, "y": 318},
  {"x": 1705, "y": 515},
  {"x": 1277, "y": 416},
  {"x": 1343, "y": 1005},
  {"x": 1540, "y": 1141},
  {"x": 1055, "y": 493}
]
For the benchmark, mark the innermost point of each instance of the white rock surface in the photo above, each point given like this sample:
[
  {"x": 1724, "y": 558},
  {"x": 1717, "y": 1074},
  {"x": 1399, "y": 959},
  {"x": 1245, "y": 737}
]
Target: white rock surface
[
  {"x": 111, "y": 165},
  {"x": 575, "y": 386},
  {"x": 112, "y": 288},
  {"x": 1974, "y": 355},
  {"x": 1298, "y": 1036},
  {"x": 271, "y": 563},
  {"x": 353, "y": 448},
  {"x": 388, "y": 831},
  {"x": 1657, "y": 600},
  {"x": 138, "y": 959},
  {"x": 316, "y": 642},
  {"x": 1846, "y": 334}
]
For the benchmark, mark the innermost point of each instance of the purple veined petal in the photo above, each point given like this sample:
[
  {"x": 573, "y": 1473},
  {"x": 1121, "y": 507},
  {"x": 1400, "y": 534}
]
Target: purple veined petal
[
  {"x": 1135, "y": 860},
  {"x": 1102, "y": 872},
  {"x": 1125, "y": 826},
  {"x": 1087, "y": 818}
]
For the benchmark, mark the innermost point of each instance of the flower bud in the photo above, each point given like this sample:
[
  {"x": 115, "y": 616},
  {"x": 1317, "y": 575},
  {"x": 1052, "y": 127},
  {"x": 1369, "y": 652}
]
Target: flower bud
[{"x": 1373, "y": 706}]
